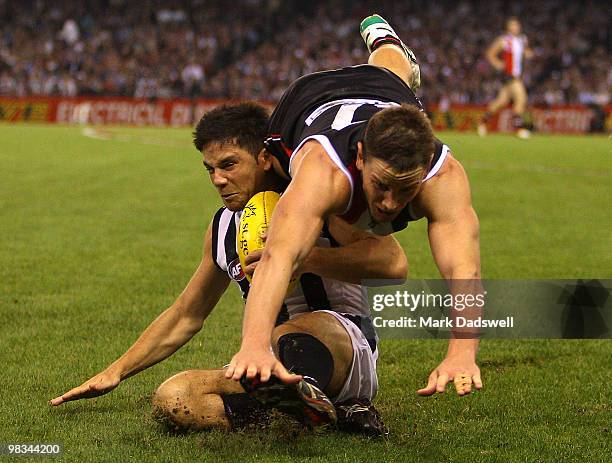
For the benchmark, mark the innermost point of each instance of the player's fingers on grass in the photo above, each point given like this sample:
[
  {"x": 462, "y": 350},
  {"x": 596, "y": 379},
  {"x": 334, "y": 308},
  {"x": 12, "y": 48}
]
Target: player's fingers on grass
[
  {"x": 463, "y": 388},
  {"x": 57, "y": 401},
  {"x": 72, "y": 394},
  {"x": 431, "y": 385},
  {"x": 441, "y": 382},
  {"x": 463, "y": 383},
  {"x": 477, "y": 381}
]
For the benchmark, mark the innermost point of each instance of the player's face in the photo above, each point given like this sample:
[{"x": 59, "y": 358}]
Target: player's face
[
  {"x": 234, "y": 172},
  {"x": 387, "y": 191},
  {"x": 514, "y": 27}
]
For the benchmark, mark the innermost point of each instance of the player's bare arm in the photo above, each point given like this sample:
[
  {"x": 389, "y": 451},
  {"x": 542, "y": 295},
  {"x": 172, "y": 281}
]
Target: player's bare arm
[
  {"x": 493, "y": 52},
  {"x": 529, "y": 53},
  {"x": 166, "y": 334},
  {"x": 318, "y": 189},
  {"x": 360, "y": 256},
  {"x": 454, "y": 240}
]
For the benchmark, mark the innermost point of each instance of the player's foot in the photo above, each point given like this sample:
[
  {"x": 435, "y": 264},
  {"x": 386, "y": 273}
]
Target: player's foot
[
  {"x": 523, "y": 133},
  {"x": 360, "y": 417},
  {"x": 302, "y": 400},
  {"x": 376, "y": 31},
  {"x": 482, "y": 130}
]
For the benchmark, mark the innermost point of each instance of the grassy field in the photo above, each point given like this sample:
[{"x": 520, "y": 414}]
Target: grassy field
[{"x": 100, "y": 234}]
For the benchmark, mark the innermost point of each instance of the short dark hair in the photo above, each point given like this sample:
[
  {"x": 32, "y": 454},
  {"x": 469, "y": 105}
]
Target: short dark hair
[
  {"x": 401, "y": 136},
  {"x": 245, "y": 124}
]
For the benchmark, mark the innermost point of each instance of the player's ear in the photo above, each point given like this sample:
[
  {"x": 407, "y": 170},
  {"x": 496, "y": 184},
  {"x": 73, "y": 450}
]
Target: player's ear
[
  {"x": 359, "y": 160},
  {"x": 264, "y": 159}
]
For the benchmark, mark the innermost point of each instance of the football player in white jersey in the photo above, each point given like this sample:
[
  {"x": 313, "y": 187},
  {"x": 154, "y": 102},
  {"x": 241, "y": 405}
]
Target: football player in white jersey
[
  {"x": 355, "y": 144},
  {"x": 329, "y": 335},
  {"x": 507, "y": 55}
]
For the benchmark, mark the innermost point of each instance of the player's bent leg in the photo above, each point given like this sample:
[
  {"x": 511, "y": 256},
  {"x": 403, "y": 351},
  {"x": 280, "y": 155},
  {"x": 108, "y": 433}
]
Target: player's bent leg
[
  {"x": 355, "y": 413},
  {"x": 519, "y": 96},
  {"x": 317, "y": 345},
  {"x": 519, "y": 99},
  {"x": 392, "y": 58},
  {"x": 502, "y": 99},
  {"x": 377, "y": 33},
  {"x": 195, "y": 400}
]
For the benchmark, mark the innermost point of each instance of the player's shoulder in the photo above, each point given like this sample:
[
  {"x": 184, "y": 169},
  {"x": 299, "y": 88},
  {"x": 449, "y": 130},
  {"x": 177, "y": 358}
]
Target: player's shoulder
[
  {"x": 221, "y": 213},
  {"x": 315, "y": 154},
  {"x": 449, "y": 185},
  {"x": 218, "y": 226},
  {"x": 450, "y": 171}
]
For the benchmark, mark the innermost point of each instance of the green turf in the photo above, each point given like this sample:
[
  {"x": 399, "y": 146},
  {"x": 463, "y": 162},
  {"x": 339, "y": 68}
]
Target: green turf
[{"x": 98, "y": 236}]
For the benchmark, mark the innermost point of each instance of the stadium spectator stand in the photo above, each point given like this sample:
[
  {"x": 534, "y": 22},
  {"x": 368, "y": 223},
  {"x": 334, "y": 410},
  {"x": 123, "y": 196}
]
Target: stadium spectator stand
[{"x": 255, "y": 48}]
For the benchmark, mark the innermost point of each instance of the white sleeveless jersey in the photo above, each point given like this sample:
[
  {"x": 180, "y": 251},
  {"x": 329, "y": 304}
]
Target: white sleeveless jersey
[
  {"x": 312, "y": 293},
  {"x": 513, "y": 54}
]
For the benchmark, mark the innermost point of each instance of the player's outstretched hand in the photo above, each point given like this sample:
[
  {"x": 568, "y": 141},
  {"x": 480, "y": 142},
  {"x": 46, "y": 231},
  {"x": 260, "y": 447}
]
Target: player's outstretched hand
[
  {"x": 462, "y": 370},
  {"x": 255, "y": 362},
  {"x": 99, "y": 385}
]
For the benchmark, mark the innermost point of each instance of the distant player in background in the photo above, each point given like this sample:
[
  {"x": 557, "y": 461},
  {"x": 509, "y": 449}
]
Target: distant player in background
[{"x": 507, "y": 54}]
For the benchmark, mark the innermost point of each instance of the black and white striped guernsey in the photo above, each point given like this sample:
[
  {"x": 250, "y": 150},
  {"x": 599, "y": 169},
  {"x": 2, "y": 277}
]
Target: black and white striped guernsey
[
  {"x": 333, "y": 108},
  {"x": 313, "y": 292}
]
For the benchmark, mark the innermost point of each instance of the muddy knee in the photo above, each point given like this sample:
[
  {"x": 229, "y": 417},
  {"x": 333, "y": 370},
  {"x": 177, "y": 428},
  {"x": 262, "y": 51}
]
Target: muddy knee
[
  {"x": 170, "y": 404},
  {"x": 191, "y": 401}
]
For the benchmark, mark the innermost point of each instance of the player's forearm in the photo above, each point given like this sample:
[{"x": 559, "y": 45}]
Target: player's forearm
[
  {"x": 267, "y": 293},
  {"x": 358, "y": 261},
  {"x": 295, "y": 225},
  {"x": 463, "y": 347},
  {"x": 162, "y": 338},
  {"x": 469, "y": 296},
  {"x": 281, "y": 257}
]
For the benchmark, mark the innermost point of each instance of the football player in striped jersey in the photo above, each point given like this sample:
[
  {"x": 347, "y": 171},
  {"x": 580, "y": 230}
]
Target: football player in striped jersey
[
  {"x": 507, "y": 55},
  {"x": 355, "y": 144},
  {"x": 324, "y": 330}
]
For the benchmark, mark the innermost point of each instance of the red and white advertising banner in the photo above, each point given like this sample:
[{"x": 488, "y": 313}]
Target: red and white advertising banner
[
  {"x": 104, "y": 111},
  {"x": 183, "y": 112},
  {"x": 557, "y": 119}
]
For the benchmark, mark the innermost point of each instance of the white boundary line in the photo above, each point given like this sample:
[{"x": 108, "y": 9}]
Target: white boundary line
[{"x": 106, "y": 135}]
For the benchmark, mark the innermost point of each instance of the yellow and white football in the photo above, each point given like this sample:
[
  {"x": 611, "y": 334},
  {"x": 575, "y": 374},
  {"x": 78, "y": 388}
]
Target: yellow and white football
[{"x": 254, "y": 224}]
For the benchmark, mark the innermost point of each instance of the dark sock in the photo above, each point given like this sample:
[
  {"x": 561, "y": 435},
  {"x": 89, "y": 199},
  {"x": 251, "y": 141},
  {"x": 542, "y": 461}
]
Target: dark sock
[
  {"x": 242, "y": 410},
  {"x": 305, "y": 355}
]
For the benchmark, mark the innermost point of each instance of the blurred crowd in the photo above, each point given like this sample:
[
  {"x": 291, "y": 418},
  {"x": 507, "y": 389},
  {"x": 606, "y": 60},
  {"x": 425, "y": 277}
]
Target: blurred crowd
[{"x": 255, "y": 48}]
